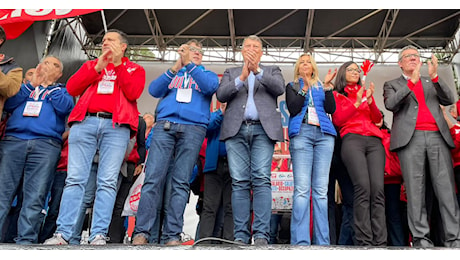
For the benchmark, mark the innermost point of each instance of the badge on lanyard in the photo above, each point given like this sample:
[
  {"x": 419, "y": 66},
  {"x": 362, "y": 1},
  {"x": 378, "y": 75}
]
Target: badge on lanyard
[
  {"x": 105, "y": 86},
  {"x": 32, "y": 108},
  {"x": 184, "y": 95}
]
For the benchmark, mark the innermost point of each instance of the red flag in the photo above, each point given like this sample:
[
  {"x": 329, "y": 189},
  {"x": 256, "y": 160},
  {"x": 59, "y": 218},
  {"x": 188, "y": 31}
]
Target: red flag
[{"x": 16, "y": 21}]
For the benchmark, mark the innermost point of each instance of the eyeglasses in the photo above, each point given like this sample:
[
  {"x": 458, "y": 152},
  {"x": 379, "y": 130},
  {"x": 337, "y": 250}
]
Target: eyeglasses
[
  {"x": 194, "y": 49},
  {"x": 353, "y": 70},
  {"x": 409, "y": 56}
]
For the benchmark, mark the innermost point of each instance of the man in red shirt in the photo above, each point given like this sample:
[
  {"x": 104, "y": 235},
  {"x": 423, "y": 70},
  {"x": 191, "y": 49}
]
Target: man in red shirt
[
  {"x": 421, "y": 138},
  {"x": 103, "y": 120}
]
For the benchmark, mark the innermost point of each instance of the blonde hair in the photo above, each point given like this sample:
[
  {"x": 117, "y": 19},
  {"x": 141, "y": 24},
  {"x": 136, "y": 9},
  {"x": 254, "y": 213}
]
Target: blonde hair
[{"x": 314, "y": 76}]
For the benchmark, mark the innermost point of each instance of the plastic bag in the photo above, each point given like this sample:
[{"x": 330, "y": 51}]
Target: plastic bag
[{"x": 134, "y": 195}]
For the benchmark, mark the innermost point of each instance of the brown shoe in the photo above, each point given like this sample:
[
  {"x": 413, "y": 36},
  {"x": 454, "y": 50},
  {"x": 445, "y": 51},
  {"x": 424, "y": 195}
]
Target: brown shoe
[
  {"x": 140, "y": 240},
  {"x": 174, "y": 243}
]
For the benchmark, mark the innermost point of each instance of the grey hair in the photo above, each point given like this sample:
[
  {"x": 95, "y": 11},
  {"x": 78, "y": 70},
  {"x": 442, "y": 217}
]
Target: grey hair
[
  {"x": 408, "y": 47},
  {"x": 57, "y": 58},
  {"x": 196, "y": 42},
  {"x": 254, "y": 38}
]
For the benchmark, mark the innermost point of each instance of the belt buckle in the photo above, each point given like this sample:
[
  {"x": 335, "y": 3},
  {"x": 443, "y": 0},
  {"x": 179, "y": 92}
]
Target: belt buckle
[
  {"x": 251, "y": 122},
  {"x": 104, "y": 115}
]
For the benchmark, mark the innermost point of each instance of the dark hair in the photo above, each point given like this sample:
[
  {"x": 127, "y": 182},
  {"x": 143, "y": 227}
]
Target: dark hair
[
  {"x": 341, "y": 80},
  {"x": 123, "y": 36},
  {"x": 2, "y": 36}
]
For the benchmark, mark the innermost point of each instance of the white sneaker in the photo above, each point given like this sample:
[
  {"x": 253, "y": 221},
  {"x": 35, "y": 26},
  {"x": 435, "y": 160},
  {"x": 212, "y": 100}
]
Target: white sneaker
[
  {"x": 99, "y": 240},
  {"x": 56, "y": 240},
  {"x": 185, "y": 237}
]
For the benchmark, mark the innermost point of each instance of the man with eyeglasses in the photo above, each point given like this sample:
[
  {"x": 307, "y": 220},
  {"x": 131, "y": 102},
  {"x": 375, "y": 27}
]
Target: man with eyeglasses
[
  {"x": 421, "y": 138},
  {"x": 186, "y": 91},
  {"x": 251, "y": 127}
]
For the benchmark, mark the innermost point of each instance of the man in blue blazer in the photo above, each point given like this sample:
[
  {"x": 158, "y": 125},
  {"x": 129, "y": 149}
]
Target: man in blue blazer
[
  {"x": 251, "y": 127},
  {"x": 421, "y": 138}
]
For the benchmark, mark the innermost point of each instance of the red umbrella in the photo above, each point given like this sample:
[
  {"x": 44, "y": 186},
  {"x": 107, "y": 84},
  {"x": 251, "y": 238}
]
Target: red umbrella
[{"x": 16, "y": 21}]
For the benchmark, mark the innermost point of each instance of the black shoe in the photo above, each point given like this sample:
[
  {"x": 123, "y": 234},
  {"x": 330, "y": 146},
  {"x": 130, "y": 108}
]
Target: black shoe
[
  {"x": 260, "y": 242},
  {"x": 422, "y": 243},
  {"x": 453, "y": 243}
]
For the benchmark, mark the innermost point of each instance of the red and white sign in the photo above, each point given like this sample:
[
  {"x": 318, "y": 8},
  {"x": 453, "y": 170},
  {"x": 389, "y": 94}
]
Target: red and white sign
[{"x": 16, "y": 21}]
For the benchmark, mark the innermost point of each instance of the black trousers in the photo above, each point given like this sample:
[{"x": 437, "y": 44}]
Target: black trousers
[
  {"x": 217, "y": 192},
  {"x": 117, "y": 229},
  {"x": 428, "y": 152},
  {"x": 364, "y": 158}
]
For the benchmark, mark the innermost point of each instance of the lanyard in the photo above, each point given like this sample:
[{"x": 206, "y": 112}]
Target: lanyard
[
  {"x": 37, "y": 92},
  {"x": 310, "y": 100},
  {"x": 186, "y": 80}
]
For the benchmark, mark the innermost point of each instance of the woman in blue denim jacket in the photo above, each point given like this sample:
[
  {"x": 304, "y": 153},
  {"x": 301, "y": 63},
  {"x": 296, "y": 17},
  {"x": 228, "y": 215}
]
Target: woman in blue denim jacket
[{"x": 312, "y": 137}]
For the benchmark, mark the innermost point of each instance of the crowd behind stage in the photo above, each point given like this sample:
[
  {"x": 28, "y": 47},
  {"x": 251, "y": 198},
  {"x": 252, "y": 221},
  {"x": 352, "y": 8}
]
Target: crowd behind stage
[{"x": 78, "y": 155}]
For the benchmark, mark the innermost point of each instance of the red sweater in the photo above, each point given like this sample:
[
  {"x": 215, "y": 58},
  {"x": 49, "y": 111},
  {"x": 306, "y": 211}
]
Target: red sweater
[
  {"x": 62, "y": 164},
  {"x": 350, "y": 119},
  {"x": 129, "y": 84},
  {"x": 393, "y": 174},
  {"x": 455, "y": 132},
  {"x": 425, "y": 120}
]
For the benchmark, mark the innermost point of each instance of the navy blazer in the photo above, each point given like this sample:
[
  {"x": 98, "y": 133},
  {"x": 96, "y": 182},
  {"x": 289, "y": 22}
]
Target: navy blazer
[
  {"x": 400, "y": 100},
  {"x": 266, "y": 92}
]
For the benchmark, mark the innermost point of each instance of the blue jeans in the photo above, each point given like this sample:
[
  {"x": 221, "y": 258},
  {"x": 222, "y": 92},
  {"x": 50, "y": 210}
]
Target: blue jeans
[
  {"x": 49, "y": 226},
  {"x": 250, "y": 154},
  {"x": 275, "y": 220},
  {"x": 88, "y": 200},
  {"x": 181, "y": 144},
  {"x": 156, "y": 233},
  {"x": 311, "y": 154},
  {"x": 85, "y": 138},
  {"x": 34, "y": 160}
]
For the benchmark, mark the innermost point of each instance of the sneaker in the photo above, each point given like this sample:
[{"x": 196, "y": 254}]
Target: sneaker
[
  {"x": 140, "y": 240},
  {"x": 56, "y": 240},
  {"x": 260, "y": 242},
  {"x": 99, "y": 240}
]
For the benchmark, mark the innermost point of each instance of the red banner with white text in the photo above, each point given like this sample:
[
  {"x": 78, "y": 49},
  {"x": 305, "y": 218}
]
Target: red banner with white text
[{"x": 16, "y": 21}]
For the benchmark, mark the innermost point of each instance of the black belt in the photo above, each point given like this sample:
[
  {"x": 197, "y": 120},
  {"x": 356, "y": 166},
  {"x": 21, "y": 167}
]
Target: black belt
[
  {"x": 251, "y": 122},
  {"x": 100, "y": 114}
]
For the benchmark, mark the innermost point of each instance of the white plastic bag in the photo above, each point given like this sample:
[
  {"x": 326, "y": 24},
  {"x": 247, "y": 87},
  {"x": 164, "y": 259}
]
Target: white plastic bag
[{"x": 134, "y": 195}]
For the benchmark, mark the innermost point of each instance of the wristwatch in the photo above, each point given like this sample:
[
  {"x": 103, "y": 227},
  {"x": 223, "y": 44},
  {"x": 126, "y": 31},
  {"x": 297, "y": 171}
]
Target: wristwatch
[{"x": 258, "y": 70}]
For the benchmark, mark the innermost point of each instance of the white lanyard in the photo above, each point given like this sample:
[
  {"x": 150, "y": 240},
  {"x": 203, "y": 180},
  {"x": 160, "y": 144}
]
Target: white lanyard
[
  {"x": 37, "y": 92},
  {"x": 186, "y": 80}
]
